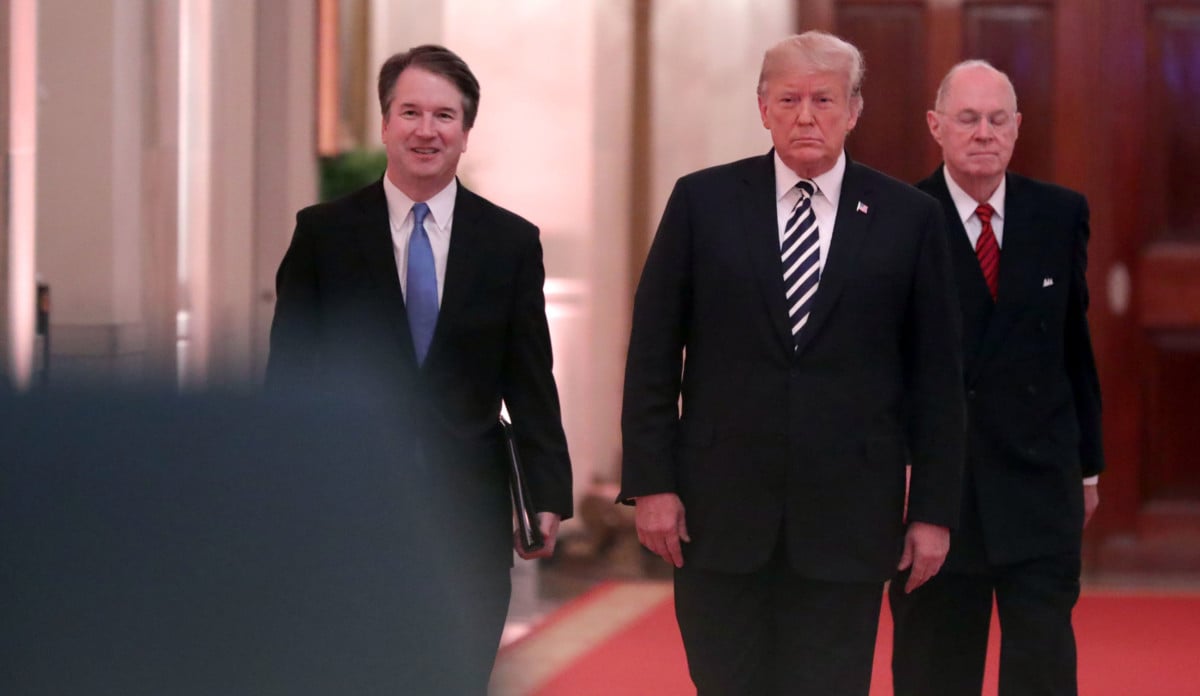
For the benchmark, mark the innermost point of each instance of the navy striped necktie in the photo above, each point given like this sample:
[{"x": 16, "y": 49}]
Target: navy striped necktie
[{"x": 801, "y": 254}]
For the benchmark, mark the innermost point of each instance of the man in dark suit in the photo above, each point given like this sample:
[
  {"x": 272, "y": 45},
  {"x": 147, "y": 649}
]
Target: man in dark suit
[
  {"x": 1019, "y": 248},
  {"x": 802, "y": 306},
  {"x": 425, "y": 300}
]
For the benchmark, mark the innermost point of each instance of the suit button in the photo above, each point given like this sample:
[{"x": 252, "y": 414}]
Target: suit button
[
  {"x": 1042, "y": 326},
  {"x": 970, "y": 393},
  {"x": 1031, "y": 389}
]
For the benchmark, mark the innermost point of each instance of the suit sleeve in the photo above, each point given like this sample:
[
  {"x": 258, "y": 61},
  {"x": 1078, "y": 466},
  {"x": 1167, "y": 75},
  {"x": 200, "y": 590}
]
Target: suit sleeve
[
  {"x": 937, "y": 413},
  {"x": 654, "y": 364},
  {"x": 295, "y": 329},
  {"x": 530, "y": 392},
  {"x": 1080, "y": 360}
]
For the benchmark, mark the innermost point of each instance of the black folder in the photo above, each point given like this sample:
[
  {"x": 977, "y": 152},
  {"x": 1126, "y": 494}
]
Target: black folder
[{"x": 528, "y": 532}]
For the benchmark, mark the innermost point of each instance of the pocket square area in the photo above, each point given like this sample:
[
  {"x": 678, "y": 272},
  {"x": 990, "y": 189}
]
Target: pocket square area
[{"x": 1047, "y": 282}]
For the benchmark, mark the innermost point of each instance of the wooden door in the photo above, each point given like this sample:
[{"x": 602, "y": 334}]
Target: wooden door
[{"x": 1110, "y": 95}]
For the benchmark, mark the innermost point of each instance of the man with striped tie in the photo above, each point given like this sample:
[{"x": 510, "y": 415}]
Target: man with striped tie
[
  {"x": 1019, "y": 249},
  {"x": 802, "y": 306}
]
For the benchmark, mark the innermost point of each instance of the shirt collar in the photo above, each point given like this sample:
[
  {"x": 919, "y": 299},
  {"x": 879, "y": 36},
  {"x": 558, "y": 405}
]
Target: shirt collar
[
  {"x": 828, "y": 184},
  {"x": 441, "y": 204},
  {"x": 966, "y": 205}
]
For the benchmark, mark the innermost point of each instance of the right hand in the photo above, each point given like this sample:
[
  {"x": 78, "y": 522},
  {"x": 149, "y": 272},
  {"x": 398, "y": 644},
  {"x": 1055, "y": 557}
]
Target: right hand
[{"x": 661, "y": 525}]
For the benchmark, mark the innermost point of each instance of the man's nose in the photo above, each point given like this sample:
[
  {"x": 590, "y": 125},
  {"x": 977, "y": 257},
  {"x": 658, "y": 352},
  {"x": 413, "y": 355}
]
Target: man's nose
[
  {"x": 425, "y": 125},
  {"x": 984, "y": 130},
  {"x": 804, "y": 112}
]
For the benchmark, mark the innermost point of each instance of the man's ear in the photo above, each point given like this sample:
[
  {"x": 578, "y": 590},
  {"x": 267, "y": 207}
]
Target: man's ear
[{"x": 935, "y": 125}]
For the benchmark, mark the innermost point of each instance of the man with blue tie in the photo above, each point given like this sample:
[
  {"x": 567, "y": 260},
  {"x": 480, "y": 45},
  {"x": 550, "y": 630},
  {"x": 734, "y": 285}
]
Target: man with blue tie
[
  {"x": 420, "y": 297},
  {"x": 1019, "y": 249},
  {"x": 800, "y": 306}
]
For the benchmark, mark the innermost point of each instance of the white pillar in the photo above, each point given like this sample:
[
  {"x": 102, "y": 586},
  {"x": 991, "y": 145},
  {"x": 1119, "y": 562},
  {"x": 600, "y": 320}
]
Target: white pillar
[
  {"x": 707, "y": 56},
  {"x": 284, "y": 137},
  {"x": 89, "y": 185},
  {"x": 18, "y": 209}
]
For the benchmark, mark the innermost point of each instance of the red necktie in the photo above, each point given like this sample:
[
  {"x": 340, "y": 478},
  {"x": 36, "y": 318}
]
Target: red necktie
[{"x": 986, "y": 249}]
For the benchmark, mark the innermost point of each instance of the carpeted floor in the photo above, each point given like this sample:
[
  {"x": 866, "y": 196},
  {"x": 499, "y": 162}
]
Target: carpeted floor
[{"x": 621, "y": 639}]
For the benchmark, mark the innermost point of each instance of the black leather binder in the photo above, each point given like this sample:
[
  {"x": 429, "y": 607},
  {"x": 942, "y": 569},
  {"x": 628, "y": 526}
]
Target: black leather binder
[{"x": 528, "y": 532}]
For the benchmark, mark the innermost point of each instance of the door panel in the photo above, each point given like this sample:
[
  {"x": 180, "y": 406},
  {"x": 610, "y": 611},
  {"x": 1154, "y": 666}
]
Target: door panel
[{"x": 1110, "y": 94}]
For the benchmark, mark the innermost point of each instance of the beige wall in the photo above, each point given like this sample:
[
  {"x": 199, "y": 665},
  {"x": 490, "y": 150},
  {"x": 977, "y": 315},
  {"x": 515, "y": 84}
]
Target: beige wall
[
  {"x": 173, "y": 151},
  {"x": 705, "y": 66}
]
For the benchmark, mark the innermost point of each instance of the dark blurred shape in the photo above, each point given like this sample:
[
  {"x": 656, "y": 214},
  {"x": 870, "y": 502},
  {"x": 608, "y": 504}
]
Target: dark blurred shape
[
  {"x": 42, "y": 336},
  {"x": 227, "y": 545}
]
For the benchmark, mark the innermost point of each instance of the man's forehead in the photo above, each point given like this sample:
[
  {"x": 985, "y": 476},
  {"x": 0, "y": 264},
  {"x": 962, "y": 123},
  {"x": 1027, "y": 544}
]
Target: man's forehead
[
  {"x": 979, "y": 87},
  {"x": 803, "y": 72}
]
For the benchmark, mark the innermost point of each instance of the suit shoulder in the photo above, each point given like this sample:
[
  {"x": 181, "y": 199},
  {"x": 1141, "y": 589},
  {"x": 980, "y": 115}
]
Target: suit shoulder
[
  {"x": 325, "y": 213},
  {"x": 889, "y": 186},
  {"x": 1051, "y": 193},
  {"x": 722, "y": 173},
  {"x": 496, "y": 215}
]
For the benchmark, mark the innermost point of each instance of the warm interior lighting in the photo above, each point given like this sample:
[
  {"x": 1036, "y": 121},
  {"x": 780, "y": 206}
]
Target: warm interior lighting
[{"x": 22, "y": 187}]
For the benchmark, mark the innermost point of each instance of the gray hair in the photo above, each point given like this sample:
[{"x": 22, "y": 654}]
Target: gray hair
[
  {"x": 820, "y": 51},
  {"x": 944, "y": 88}
]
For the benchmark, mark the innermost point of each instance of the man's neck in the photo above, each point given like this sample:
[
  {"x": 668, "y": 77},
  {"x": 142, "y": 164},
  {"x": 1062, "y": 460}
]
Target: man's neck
[
  {"x": 981, "y": 189},
  {"x": 418, "y": 191}
]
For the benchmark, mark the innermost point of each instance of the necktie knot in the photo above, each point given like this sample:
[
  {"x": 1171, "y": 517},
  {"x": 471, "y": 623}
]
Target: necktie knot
[
  {"x": 420, "y": 210},
  {"x": 807, "y": 188},
  {"x": 984, "y": 212}
]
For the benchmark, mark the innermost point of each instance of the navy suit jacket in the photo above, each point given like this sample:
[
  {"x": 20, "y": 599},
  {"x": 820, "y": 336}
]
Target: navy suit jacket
[
  {"x": 1033, "y": 396},
  {"x": 811, "y": 439},
  {"x": 340, "y": 325}
]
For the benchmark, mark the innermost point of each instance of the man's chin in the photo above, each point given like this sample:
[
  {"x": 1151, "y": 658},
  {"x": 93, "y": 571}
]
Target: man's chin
[{"x": 803, "y": 161}]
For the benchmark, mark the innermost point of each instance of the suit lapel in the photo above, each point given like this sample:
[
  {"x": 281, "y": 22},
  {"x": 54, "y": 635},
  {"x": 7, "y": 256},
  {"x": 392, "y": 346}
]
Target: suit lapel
[
  {"x": 462, "y": 261},
  {"x": 848, "y": 234},
  {"x": 974, "y": 297},
  {"x": 762, "y": 240},
  {"x": 374, "y": 236},
  {"x": 1018, "y": 267}
]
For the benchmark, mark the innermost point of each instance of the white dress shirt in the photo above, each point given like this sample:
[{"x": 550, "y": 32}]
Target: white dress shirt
[
  {"x": 437, "y": 226},
  {"x": 824, "y": 201},
  {"x": 966, "y": 205}
]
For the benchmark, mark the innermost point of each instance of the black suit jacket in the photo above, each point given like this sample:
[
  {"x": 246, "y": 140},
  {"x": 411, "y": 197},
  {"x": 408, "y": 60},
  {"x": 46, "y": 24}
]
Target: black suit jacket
[
  {"x": 1033, "y": 396},
  {"x": 812, "y": 441},
  {"x": 340, "y": 325}
]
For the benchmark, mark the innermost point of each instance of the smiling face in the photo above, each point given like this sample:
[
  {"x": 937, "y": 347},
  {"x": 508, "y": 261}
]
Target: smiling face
[
  {"x": 976, "y": 123},
  {"x": 424, "y": 133},
  {"x": 809, "y": 113}
]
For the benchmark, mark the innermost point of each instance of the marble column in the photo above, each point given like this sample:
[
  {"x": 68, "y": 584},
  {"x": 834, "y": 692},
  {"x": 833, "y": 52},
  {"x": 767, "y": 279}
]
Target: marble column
[{"x": 89, "y": 181}]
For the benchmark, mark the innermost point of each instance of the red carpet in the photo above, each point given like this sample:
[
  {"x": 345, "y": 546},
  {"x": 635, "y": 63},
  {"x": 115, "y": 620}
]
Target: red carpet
[{"x": 1130, "y": 644}]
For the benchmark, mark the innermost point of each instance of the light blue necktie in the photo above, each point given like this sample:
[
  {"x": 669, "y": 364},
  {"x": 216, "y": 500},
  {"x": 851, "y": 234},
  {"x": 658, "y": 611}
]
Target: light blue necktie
[{"x": 421, "y": 299}]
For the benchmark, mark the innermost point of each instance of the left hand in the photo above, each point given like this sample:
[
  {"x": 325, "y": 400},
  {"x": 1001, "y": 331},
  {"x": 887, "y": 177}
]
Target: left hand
[
  {"x": 548, "y": 523},
  {"x": 1091, "y": 501},
  {"x": 925, "y": 549}
]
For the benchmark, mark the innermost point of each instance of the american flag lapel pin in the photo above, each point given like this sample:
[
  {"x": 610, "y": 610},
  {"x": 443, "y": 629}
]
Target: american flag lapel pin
[{"x": 862, "y": 208}]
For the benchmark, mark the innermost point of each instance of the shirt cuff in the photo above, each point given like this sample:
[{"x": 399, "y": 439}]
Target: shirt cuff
[{"x": 1092, "y": 480}]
